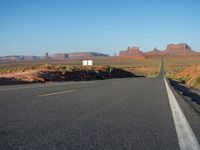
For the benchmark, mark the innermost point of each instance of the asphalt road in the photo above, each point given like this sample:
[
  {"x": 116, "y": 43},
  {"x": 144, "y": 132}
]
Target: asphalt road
[{"x": 131, "y": 113}]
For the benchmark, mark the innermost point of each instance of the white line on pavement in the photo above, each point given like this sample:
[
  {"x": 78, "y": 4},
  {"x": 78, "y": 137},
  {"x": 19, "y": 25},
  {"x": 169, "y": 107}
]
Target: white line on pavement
[
  {"x": 116, "y": 83},
  {"x": 186, "y": 137},
  {"x": 42, "y": 85},
  {"x": 56, "y": 93}
]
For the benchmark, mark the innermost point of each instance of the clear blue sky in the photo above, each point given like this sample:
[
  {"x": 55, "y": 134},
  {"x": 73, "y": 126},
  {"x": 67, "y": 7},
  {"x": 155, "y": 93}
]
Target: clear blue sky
[{"x": 108, "y": 26}]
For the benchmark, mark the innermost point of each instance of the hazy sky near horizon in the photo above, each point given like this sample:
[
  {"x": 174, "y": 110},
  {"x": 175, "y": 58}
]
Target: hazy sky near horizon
[{"x": 33, "y": 27}]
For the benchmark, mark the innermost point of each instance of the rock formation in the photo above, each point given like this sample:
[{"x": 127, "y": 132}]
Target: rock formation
[
  {"x": 131, "y": 51},
  {"x": 171, "y": 50},
  {"x": 78, "y": 55},
  {"x": 56, "y": 56},
  {"x": 175, "y": 49},
  {"x": 155, "y": 51},
  {"x": 19, "y": 57},
  {"x": 46, "y": 56}
]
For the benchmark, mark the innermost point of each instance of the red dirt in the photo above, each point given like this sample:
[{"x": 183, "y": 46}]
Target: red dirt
[{"x": 190, "y": 73}]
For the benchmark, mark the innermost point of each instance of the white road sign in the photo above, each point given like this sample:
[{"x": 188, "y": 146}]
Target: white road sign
[{"x": 87, "y": 62}]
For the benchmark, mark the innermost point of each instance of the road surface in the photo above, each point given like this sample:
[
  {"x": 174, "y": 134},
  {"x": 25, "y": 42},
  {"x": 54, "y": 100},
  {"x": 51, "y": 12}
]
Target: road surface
[{"x": 131, "y": 113}]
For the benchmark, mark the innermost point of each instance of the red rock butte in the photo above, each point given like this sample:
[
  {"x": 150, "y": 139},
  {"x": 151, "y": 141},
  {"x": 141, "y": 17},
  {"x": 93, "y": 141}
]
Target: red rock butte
[
  {"x": 181, "y": 48},
  {"x": 131, "y": 51},
  {"x": 171, "y": 49},
  {"x": 155, "y": 51}
]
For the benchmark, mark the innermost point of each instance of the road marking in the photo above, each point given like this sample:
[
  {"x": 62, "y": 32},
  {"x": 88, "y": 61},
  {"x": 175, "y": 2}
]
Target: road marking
[
  {"x": 116, "y": 83},
  {"x": 186, "y": 137},
  {"x": 43, "y": 85},
  {"x": 56, "y": 93},
  {"x": 31, "y": 86}
]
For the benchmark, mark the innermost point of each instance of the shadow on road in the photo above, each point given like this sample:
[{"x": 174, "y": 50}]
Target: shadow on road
[
  {"x": 11, "y": 81},
  {"x": 189, "y": 94}
]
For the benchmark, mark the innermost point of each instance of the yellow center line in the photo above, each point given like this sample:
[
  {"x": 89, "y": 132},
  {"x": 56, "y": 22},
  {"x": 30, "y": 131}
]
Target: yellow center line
[{"x": 56, "y": 93}]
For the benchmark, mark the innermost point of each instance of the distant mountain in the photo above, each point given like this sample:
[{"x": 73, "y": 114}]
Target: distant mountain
[
  {"x": 57, "y": 56},
  {"x": 78, "y": 55},
  {"x": 20, "y": 57},
  {"x": 131, "y": 52}
]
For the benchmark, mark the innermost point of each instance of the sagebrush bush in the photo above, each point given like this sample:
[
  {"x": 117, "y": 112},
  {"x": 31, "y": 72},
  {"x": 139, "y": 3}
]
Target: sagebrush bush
[{"x": 197, "y": 82}]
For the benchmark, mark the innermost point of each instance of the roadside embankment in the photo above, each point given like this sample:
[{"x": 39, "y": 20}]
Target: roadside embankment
[
  {"x": 190, "y": 76},
  {"x": 51, "y": 73}
]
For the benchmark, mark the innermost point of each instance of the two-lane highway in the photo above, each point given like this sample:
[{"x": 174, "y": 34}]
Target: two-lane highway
[{"x": 132, "y": 113}]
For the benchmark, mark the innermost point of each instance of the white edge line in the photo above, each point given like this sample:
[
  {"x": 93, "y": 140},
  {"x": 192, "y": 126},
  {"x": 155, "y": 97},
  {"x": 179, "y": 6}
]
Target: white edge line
[{"x": 186, "y": 137}]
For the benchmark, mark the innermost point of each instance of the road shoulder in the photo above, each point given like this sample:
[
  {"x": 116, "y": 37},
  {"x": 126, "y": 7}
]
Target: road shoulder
[{"x": 188, "y": 103}]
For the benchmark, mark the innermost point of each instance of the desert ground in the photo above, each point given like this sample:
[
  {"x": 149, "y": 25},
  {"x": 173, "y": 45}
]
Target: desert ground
[
  {"x": 184, "y": 69},
  {"x": 139, "y": 67},
  {"x": 181, "y": 68}
]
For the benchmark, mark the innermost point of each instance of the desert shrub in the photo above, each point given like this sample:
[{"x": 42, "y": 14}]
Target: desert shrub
[
  {"x": 23, "y": 70},
  {"x": 177, "y": 78},
  {"x": 2, "y": 70},
  {"x": 47, "y": 66},
  {"x": 197, "y": 82},
  {"x": 181, "y": 79},
  {"x": 58, "y": 67},
  {"x": 32, "y": 67},
  {"x": 9, "y": 71}
]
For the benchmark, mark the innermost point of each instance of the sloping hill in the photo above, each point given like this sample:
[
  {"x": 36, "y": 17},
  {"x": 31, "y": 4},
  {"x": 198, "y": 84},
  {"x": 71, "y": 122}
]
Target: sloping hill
[{"x": 190, "y": 76}]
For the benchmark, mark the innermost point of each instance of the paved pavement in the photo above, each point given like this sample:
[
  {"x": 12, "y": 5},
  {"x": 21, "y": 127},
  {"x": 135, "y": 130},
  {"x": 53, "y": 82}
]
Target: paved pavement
[{"x": 131, "y": 113}]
